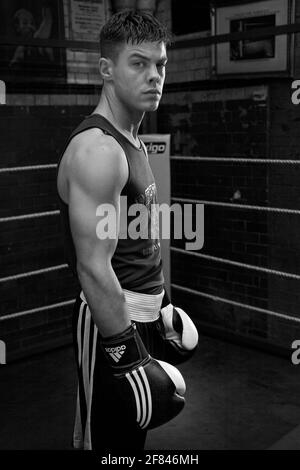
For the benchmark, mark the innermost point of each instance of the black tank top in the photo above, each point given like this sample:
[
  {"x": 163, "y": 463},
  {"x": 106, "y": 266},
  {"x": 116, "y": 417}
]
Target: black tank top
[{"x": 136, "y": 263}]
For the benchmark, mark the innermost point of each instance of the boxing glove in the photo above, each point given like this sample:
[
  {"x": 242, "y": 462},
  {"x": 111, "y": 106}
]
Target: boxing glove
[
  {"x": 152, "y": 390},
  {"x": 178, "y": 331}
]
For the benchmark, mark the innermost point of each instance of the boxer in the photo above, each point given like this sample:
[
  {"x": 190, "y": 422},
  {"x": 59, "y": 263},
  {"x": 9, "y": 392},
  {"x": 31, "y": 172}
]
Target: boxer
[{"x": 125, "y": 383}]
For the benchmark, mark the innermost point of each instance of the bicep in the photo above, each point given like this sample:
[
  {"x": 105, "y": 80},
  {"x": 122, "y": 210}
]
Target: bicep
[
  {"x": 95, "y": 186},
  {"x": 86, "y": 224}
]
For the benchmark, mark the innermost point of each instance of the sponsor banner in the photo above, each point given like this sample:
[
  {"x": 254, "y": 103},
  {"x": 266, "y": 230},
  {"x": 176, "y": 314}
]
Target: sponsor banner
[
  {"x": 158, "y": 147},
  {"x": 2, "y": 92},
  {"x": 157, "y": 144},
  {"x": 2, "y": 352}
]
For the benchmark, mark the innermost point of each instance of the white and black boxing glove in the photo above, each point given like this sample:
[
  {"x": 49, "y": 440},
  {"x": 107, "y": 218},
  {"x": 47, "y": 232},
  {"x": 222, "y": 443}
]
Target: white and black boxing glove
[
  {"x": 152, "y": 390},
  {"x": 178, "y": 331}
]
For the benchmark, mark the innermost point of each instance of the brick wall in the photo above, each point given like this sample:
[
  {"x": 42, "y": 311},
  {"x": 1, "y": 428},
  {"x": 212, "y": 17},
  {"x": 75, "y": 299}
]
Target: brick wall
[
  {"x": 284, "y": 192},
  {"x": 82, "y": 66},
  {"x": 33, "y": 135},
  {"x": 236, "y": 116},
  {"x": 236, "y": 123},
  {"x": 188, "y": 65},
  {"x": 297, "y": 41}
]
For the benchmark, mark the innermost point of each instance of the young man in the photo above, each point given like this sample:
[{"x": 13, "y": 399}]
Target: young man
[{"x": 120, "y": 333}]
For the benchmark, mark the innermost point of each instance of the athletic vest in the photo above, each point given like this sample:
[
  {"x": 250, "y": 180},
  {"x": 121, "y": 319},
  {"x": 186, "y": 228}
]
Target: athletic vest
[{"x": 136, "y": 262}]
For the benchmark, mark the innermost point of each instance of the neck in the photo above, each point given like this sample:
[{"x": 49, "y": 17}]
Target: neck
[{"x": 124, "y": 119}]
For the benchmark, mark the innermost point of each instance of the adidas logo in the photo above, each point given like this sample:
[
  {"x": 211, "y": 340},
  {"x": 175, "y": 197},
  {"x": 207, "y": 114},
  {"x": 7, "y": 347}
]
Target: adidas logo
[{"x": 116, "y": 353}]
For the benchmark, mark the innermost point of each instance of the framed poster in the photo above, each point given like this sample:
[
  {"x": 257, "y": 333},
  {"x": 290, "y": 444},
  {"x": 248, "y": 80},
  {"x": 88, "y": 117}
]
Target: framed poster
[
  {"x": 86, "y": 19},
  {"x": 30, "y": 19},
  {"x": 265, "y": 55}
]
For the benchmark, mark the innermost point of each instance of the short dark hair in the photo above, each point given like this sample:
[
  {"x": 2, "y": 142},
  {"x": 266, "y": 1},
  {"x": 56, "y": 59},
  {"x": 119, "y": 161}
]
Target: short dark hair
[{"x": 130, "y": 26}]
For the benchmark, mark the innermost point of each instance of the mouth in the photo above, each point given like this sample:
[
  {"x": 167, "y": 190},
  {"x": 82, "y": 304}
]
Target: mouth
[{"x": 153, "y": 92}]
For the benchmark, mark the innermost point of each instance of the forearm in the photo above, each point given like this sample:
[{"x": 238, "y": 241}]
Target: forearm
[{"x": 105, "y": 298}]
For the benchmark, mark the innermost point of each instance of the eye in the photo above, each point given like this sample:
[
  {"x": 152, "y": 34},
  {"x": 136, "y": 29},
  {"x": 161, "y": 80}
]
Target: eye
[{"x": 139, "y": 64}]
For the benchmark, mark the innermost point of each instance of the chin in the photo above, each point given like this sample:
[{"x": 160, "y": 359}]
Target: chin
[{"x": 152, "y": 107}]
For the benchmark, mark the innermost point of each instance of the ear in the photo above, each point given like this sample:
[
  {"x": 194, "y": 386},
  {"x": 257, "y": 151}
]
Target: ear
[{"x": 105, "y": 68}]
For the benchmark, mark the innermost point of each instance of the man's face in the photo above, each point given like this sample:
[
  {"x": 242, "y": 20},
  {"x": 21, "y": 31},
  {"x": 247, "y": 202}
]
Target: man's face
[{"x": 139, "y": 75}]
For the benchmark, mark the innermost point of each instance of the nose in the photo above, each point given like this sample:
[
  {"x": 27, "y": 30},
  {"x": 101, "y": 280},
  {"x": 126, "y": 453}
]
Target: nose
[{"x": 154, "y": 76}]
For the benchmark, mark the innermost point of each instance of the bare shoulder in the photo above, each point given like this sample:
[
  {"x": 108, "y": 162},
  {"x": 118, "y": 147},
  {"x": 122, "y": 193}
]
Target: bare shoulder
[
  {"x": 92, "y": 152},
  {"x": 93, "y": 160}
]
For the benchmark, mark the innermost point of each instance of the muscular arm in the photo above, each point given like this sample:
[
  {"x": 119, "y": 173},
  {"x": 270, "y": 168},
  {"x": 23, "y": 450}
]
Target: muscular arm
[{"x": 97, "y": 173}]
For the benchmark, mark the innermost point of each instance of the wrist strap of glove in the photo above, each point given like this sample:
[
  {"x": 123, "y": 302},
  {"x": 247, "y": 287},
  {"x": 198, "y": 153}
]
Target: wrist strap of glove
[{"x": 126, "y": 350}]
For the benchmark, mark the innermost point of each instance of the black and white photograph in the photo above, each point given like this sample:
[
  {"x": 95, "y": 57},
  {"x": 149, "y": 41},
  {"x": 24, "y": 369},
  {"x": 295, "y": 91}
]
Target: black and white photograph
[
  {"x": 24, "y": 20},
  {"x": 247, "y": 49},
  {"x": 259, "y": 53},
  {"x": 149, "y": 230}
]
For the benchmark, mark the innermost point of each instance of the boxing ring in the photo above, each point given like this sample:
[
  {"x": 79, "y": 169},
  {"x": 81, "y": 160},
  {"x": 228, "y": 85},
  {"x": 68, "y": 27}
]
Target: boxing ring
[
  {"x": 12, "y": 279},
  {"x": 19, "y": 276}
]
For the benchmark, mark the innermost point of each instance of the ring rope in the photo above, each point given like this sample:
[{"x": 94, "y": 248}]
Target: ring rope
[
  {"x": 29, "y": 216},
  {"x": 28, "y": 168},
  {"x": 34, "y": 310},
  {"x": 237, "y": 304},
  {"x": 236, "y": 206},
  {"x": 236, "y": 263},
  {"x": 237, "y": 160},
  {"x": 175, "y": 286},
  {"x": 187, "y": 158},
  {"x": 33, "y": 273},
  {"x": 176, "y": 199}
]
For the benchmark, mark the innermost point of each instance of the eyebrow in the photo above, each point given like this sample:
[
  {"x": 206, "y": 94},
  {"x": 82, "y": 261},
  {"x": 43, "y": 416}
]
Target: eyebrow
[{"x": 142, "y": 56}]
